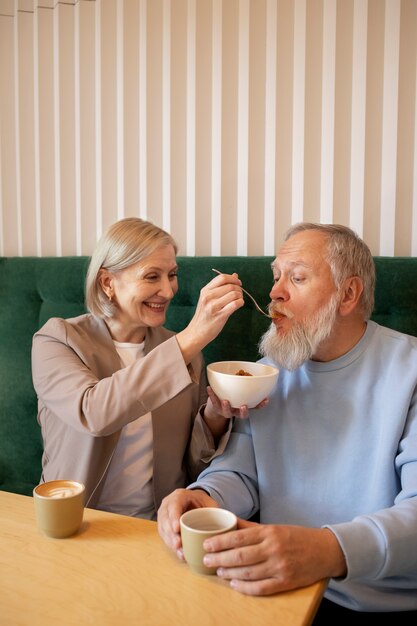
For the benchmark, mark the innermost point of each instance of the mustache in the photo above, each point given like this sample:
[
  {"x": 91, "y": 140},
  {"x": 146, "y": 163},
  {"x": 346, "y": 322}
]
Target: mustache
[{"x": 276, "y": 311}]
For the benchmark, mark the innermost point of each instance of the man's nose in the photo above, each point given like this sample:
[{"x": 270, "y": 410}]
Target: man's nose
[{"x": 279, "y": 291}]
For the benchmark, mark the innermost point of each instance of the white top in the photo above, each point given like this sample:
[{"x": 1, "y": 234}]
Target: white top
[{"x": 128, "y": 486}]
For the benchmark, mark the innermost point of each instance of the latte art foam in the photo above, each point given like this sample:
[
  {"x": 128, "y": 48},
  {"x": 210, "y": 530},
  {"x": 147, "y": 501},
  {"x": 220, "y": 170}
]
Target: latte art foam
[
  {"x": 58, "y": 489},
  {"x": 62, "y": 492}
]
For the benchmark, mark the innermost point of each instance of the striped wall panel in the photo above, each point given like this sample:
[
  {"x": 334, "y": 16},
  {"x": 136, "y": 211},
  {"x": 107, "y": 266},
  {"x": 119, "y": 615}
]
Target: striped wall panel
[{"x": 223, "y": 121}]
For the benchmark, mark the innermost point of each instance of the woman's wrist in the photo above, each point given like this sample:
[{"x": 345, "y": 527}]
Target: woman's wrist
[{"x": 217, "y": 424}]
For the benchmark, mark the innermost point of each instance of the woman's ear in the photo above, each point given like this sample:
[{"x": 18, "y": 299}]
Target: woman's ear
[
  {"x": 105, "y": 280},
  {"x": 351, "y": 295}
]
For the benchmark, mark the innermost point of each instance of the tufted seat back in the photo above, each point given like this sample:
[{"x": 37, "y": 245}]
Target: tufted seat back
[{"x": 33, "y": 289}]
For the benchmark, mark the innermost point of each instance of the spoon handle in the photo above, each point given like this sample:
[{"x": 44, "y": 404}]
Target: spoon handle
[{"x": 250, "y": 296}]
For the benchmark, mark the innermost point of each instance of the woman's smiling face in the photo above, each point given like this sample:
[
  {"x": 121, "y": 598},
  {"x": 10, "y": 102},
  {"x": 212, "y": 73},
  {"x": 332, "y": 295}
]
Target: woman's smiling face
[{"x": 142, "y": 293}]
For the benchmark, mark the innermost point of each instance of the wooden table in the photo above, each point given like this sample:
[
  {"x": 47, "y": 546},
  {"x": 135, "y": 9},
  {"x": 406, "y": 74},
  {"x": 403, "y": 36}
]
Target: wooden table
[{"x": 117, "y": 570}]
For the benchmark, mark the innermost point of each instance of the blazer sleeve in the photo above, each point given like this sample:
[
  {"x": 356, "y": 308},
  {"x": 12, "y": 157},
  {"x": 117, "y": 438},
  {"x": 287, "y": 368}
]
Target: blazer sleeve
[
  {"x": 80, "y": 380},
  {"x": 202, "y": 449}
]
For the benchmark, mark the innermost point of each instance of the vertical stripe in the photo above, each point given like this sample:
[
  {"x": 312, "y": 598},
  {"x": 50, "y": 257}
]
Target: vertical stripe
[
  {"x": 99, "y": 188},
  {"x": 414, "y": 190},
  {"x": 37, "y": 170},
  {"x": 327, "y": 114},
  {"x": 142, "y": 139},
  {"x": 243, "y": 129},
  {"x": 166, "y": 116},
  {"x": 190, "y": 128},
  {"x": 216, "y": 147},
  {"x": 119, "y": 109},
  {"x": 38, "y": 222},
  {"x": 57, "y": 136},
  {"x": 17, "y": 133},
  {"x": 270, "y": 126},
  {"x": 389, "y": 126},
  {"x": 77, "y": 142},
  {"x": 357, "y": 157},
  {"x": 3, "y": 25},
  {"x": 298, "y": 110}
]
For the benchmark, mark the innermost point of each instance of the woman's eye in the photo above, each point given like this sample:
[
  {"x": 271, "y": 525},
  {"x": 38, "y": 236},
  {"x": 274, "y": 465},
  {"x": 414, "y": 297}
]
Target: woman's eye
[
  {"x": 173, "y": 275},
  {"x": 151, "y": 277}
]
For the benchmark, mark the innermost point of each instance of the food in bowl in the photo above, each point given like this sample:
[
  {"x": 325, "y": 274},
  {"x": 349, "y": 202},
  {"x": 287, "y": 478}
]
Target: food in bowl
[
  {"x": 243, "y": 373},
  {"x": 250, "y": 388}
]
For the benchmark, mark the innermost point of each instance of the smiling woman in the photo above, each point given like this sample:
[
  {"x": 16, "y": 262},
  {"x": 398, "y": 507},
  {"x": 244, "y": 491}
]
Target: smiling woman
[
  {"x": 141, "y": 294},
  {"x": 123, "y": 401}
]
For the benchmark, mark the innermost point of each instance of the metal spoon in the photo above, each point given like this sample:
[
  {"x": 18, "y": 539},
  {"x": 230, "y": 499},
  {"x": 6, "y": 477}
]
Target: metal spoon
[{"x": 250, "y": 296}]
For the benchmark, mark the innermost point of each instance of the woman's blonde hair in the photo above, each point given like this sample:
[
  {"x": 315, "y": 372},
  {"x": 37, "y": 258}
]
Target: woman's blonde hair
[{"x": 123, "y": 244}]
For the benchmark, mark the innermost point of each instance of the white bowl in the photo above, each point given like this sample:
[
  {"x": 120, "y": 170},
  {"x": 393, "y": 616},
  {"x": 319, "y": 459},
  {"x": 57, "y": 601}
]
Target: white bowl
[{"x": 227, "y": 384}]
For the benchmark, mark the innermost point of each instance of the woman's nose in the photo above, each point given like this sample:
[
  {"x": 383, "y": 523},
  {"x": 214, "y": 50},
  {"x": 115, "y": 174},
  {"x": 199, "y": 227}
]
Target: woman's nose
[{"x": 167, "y": 289}]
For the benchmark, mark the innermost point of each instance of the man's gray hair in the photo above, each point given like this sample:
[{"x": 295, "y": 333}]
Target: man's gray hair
[{"x": 348, "y": 255}]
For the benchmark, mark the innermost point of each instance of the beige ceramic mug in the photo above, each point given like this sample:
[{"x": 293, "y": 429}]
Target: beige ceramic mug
[
  {"x": 196, "y": 526},
  {"x": 59, "y": 507}
]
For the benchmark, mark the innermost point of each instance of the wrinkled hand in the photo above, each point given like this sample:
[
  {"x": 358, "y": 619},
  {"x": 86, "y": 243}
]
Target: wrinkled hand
[
  {"x": 222, "y": 408},
  {"x": 171, "y": 509},
  {"x": 217, "y": 413},
  {"x": 262, "y": 559},
  {"x": 221, "y": 297}
]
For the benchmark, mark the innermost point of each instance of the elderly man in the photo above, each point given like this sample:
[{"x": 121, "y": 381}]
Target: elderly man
[{"x": 330, "y": 465}]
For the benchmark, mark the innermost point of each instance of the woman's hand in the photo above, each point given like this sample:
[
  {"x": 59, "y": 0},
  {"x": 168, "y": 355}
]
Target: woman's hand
[
  {"x": 221, "y": 297},
  {"x": 217, "y": 413},
  {"x": 222, "y": 408}
]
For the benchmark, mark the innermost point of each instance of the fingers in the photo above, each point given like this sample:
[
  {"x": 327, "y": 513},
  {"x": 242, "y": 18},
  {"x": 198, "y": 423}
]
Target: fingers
[
  {"x": 263, "y": 587},
  {"x": 224, "y": 408},
  {"x": 244, "y": 565},
  {"x": 264, "y": 402},
  {"x": 243, "y": 523},
  {"x": 169, "y": 513},
  {"x": 243, "y": 553},
  {"x": 168, "y": 520},
  {"x": 236, "y": 562},
  {"x": 242, "y": 412},
  {"x": 218, "y": 300},
  {"x": 247, "y": 534},
  {"x": 171, "y": 509},
  {"x": 261, "y": 559},
  {"x": 226, "y": 278},
  {"x": 223, "y": 294},
  {"x": 241, "y": 559}
]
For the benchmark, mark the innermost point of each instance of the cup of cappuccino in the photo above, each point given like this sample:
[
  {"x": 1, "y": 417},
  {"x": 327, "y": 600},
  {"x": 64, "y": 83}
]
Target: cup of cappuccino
[
  {"x": 59, "y": 507},
  {"x": 197, "y": 525}
]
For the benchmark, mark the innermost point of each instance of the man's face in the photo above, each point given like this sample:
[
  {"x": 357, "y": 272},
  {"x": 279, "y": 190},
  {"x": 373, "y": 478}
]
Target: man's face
[{"x": 304, "y": 301}]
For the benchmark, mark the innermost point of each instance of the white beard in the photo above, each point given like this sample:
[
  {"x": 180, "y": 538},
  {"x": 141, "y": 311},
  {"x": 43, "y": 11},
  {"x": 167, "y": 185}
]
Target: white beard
[{"x": 302, "y": 340}]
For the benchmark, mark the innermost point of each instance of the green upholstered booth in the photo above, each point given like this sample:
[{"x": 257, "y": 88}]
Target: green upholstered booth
[{"x": 33, "y": 289}]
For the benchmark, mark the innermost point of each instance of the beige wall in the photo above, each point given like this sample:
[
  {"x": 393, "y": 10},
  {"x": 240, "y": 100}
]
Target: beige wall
[{"x": 224, "y": 121}]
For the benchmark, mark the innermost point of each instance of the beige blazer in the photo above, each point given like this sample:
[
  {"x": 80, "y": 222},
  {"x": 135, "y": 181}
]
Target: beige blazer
[{"x": 85, "y": 398}]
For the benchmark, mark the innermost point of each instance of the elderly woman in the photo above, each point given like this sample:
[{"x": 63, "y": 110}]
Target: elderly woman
[{"x": 122, "y": 401}]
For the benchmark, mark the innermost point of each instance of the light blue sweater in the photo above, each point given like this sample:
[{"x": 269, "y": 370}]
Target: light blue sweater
[{"x": 337, "y": 447}]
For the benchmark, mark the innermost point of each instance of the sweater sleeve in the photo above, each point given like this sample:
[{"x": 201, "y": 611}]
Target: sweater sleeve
[
  {"x": 231, "y": 478},
  {"x": 383, "y": 544}
]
